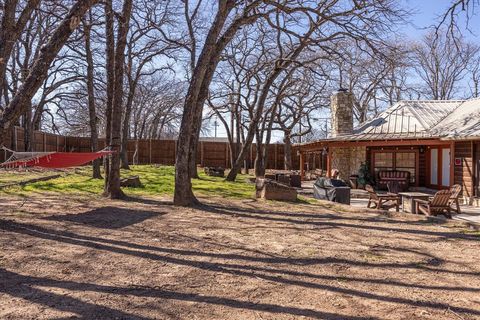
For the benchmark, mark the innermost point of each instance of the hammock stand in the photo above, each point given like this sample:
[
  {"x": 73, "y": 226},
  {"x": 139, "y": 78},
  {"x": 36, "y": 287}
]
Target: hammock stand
[{"x": 51, "y": 160}]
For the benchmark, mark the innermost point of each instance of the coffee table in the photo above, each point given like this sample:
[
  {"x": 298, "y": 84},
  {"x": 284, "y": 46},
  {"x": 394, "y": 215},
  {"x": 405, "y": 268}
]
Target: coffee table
[{"x": 408, "y": 200}]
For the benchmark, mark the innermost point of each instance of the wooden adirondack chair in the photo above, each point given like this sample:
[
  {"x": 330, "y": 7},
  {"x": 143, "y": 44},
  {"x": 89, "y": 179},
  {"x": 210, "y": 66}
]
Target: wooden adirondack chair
[
  {"x": 393, "y": 187},
  {"x": 439, "y": 204},
  {"x": 382, "y": 201},
  {"x": 454, "y": 198}
]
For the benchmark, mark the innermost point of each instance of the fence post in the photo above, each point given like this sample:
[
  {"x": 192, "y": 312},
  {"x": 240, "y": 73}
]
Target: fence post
[
  {"x": 251, "y": 155},
  {"x": 276, "y": 156},
  {"x": 202, "y": 159},
  {"x": 175, "y": 152},
  {"x": 15, "y": 142},
  {"x": 150, "y": 151},
  {"x": 44, "y": 142},
  {"x": 226, "y": 154},
  {"x": 56, "y": 142}
]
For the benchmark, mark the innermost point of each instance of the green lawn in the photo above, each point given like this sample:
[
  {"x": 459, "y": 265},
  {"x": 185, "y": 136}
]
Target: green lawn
[
  {"x": 155, "y": 180},
  {"x": 7, "y": 177}
]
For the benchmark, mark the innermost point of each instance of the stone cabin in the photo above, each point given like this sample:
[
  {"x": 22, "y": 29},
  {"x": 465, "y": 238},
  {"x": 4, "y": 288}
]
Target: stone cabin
[{"x": 438, "y": 142}]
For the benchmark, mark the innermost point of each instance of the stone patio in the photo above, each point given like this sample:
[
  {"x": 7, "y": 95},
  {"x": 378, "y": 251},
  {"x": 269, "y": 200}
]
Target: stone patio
[{"x": 359, "y": 198}]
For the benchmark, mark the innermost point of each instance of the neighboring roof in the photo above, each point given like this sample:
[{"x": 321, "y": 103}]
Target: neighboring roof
[
  {"x": 213, "y": 139},
  {"x": 413, "y": 119}
]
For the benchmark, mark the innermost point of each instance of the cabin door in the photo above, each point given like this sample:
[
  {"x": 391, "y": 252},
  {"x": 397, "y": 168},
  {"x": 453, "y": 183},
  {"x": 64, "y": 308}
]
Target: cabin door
[{"x": 439, "y": 167}]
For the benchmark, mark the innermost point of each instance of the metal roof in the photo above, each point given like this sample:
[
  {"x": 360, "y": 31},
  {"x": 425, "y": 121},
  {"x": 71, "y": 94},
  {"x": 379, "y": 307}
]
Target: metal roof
[
  {"x": 407, "y": 118},
  {"x": 463, "y": 123},
  {"x": 414, "y": 119}
]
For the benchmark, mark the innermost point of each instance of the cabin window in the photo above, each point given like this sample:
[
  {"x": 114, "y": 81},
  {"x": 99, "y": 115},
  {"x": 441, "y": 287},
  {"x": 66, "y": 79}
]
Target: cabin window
[
  {"x": 383, "y": 161},
  {"x": 405, "y": 161}
]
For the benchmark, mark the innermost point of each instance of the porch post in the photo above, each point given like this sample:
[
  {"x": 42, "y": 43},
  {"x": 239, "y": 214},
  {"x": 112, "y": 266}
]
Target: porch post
[
  {"x": 329, "y": 162},
  {"x": 301, "y": 166},
  {"x": 452, "y": 163}
]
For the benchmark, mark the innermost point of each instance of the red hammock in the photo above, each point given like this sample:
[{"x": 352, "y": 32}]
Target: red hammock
[{"x": 55, "y": 160}]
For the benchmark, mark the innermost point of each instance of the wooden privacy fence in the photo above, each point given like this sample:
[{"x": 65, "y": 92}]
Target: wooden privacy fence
[{"x": 151, "y": 151}]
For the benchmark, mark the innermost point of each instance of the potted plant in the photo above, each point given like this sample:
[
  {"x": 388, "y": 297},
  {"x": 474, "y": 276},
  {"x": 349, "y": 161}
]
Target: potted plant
[{"x": 364, "y": 176}]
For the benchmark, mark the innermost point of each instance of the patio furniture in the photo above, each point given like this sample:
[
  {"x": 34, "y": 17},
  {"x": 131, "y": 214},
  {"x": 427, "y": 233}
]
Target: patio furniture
[
  {"x": 382, "y": 201},
  {"x": 456, "y": 189},
  {"x": 393, "y": 187},
  {"x": 214, "y": 171},
  {"x": 439, "y": 204},
  {"x": 401, "y": 177},
  {"x": 408, "y": 200},
  {"x": 332, "y": 190},
  {"x": 295, "y": 181},
  {"x": 289, "y": 179}
]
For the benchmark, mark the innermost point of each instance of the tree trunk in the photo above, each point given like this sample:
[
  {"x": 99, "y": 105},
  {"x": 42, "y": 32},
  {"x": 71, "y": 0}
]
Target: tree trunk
[
  {"x": 96, "y": 174},
  {"x": 193, "y": 156},
  {"x": 259, "y": 166},
  {"x": 132, "y": 84},
  {"x": 287, "y": 147},
  {"x": 113, "y": 189},
  {"x": 125, "y": 131},
  {"x": 39, "y": 70},
  {"x": 232, "y": 175},
  {"x": 192, "y": 112},
  {"x": 110, "y": 66},
  {"x": 28, "y": 135}
]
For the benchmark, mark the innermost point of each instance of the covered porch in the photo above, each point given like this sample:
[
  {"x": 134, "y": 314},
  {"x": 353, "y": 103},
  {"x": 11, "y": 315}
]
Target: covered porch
[{"x": 431, "y": 163}]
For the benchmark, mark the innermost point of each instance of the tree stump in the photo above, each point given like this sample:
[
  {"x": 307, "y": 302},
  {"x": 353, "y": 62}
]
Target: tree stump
[
  {"x": 131, "y": 182},
  {"x": 272, "y": 190}
]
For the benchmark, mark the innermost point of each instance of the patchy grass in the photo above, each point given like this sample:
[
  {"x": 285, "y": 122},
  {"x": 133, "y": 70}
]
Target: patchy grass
[
  {"x": 156, "y": 180},
  {"x": 7, "y": 177}
]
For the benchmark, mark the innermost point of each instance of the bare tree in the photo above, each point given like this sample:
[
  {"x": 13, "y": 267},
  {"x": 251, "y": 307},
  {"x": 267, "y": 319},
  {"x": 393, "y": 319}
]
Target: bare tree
[
  {"x": 441, "y": 61},
  {"x": 146, "y": 43},
  {"x": 92, "y": 110},
  {"x": 218, "y": 36},
  {"x": 11, "y": 27},
  {"x": 39, "y": 70},
  {"x": 302, "y": 96},
  {"x": 113, "y": 189}
]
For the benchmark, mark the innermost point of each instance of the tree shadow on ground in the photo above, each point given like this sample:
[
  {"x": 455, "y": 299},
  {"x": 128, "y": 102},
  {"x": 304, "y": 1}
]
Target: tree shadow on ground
[
  {"x": 20, "y": 286},
  {"x": 24, "y": 290},
  {"x": 107, "y": 217},
  {"x": 273, "y": 273},
  {"x": 292, "y": 217}
]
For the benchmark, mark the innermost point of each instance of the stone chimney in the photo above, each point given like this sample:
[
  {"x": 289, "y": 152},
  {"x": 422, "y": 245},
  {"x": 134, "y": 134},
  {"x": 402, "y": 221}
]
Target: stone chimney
[{"x": 341, "y": 105}]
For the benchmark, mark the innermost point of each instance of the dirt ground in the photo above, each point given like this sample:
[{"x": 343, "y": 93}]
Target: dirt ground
[{"x": 90, "y": 258}]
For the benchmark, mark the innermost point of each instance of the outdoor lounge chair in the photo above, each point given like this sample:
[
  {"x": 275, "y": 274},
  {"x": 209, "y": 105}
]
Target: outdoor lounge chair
[
  {"x": 439, "y": 204},
  {"x": 382, "y": 201},
  {"x": 456, "y": 189}
]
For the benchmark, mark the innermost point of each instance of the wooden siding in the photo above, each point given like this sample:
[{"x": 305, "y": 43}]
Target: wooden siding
[{"x": 463, "y": 174}]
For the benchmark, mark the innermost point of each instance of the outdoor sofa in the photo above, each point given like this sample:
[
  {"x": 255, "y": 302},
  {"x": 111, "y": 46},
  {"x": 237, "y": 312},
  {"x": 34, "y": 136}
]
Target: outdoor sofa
[{"x": 401, "y": 177}]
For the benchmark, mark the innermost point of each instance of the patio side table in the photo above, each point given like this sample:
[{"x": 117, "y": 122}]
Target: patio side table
[{"x": 408, "y": 200}]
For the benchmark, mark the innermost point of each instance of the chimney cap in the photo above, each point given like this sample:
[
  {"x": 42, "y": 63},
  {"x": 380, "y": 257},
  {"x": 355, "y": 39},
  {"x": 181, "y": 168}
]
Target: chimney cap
[{"x": 342, "y": 89}]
